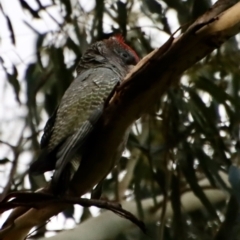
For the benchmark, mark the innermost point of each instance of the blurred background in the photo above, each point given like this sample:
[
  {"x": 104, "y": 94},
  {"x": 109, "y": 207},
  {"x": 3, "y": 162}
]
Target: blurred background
[{"x": 179, "y": 172}]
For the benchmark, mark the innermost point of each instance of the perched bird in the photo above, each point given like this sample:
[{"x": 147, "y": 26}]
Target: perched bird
[{"x": 67, "y": 134}]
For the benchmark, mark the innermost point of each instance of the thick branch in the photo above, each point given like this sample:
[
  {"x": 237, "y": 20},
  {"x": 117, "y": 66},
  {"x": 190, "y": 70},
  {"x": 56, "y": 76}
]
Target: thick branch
[{"x": 147, "y": 83}]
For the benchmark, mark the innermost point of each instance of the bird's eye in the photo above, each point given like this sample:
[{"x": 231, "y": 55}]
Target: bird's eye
[{"x": 124, "y": 55}]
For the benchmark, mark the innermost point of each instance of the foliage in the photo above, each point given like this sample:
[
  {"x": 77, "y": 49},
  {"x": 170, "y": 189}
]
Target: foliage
[{"x": 192, "y": 133}]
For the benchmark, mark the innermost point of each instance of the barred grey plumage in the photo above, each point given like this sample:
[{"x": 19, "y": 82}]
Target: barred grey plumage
[{"x": 67, "y": 132}]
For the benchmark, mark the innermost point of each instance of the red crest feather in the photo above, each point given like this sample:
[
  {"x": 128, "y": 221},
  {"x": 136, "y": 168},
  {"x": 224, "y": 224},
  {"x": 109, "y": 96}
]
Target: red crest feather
[{"x": 120, "y": 39}]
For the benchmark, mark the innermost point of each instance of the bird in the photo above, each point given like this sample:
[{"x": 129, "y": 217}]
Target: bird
[{"x": 68, "y": 132}]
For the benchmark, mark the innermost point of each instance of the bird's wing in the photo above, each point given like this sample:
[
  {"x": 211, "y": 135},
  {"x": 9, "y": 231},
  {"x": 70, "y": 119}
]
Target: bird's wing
[
  {"x": 43, "y": 164},
  {"x": 73, "y": 121},
  {"x": 80, "y": 109},
  {"x": 48, "y": 129},
  {"x": 73, "y": 143},
  {"x": 81, "y": 99}
]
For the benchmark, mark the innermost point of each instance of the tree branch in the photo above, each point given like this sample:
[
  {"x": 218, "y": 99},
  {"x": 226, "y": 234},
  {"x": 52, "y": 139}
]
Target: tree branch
[{"x": 109, "y": 226}]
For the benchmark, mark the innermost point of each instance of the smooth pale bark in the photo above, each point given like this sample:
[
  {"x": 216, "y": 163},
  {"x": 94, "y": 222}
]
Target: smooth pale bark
[{"x": 149, "y": 80}]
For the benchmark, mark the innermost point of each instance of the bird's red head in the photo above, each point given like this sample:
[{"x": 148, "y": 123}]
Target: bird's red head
[{"x": 119, "y": 47}]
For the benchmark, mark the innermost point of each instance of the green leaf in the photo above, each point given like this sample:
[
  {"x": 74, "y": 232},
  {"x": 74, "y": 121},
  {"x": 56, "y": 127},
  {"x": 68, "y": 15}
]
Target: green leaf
[
  {"x": 68, "y": 8},
  {"x": 39, "y": 45},
  {"x": 216, "y": 92},
  {"x": 11, "y": 30},
  {"x": 81, "y": 36},
  {"x": 186, "y": 165},
  {"x": 69, "y": 212},
  {"x": 4, "y": 161},
  {"x": 153, "y": 6},
  {"x": 205, "y": 161},
  {"x": 72, "y": 45},
  {"x": 9, "y": 24},
  {"x": 12, "y": 79},
  {"x": 122, "y": 16},
  {"x": 26, "y": 6},
  {"x": 178, "y": 220},
  {"x": 199, "y": 7}
]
